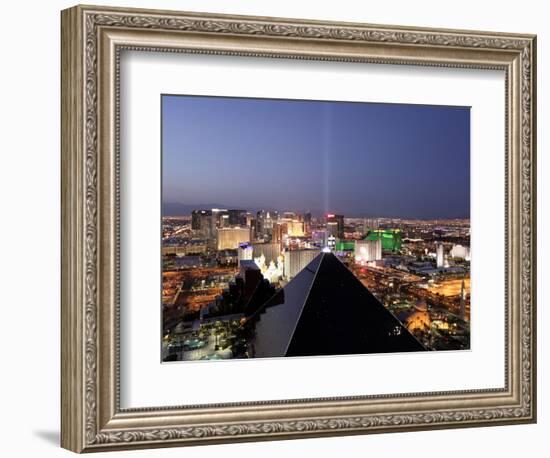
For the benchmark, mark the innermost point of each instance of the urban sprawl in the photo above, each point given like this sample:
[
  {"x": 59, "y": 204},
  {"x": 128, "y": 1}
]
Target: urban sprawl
[{"x": 245, "y": 284}]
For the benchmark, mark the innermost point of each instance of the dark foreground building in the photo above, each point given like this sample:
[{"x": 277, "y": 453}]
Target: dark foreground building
[{"x": 326, "y": 310}]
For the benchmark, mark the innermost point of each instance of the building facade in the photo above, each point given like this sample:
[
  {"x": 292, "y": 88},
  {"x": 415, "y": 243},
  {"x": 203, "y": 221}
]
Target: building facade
[
  {"x": 270, "y": 251},
  {"x": 201, "y": 223},
  {"x": 237, "y": 218},
  {"x": 391, "y": 238},
  {"x": 439, "y": 255},
  {"x": 265, "y": 221},
  {"x": 244, "y": 253},
  {"x": 460, "y": 252},
  {"x": 295, "y": 228},
  {"x": 367, "y": 251},
  {"x": 335, "y": 225},
  {"x": 296, "y": 260},
  {"x": 232, "y": 237}
]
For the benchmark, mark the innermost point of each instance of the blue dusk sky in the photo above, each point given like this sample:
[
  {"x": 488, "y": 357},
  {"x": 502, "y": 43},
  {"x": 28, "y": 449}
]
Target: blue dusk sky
[{"x": 355, "y": 159}]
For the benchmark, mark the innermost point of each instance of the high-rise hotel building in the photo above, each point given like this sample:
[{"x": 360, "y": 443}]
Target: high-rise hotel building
[
  {"x": 335, "y": 225},
  {"x": 265, "y": 220},
  {"x": 439, "y": 255},
  {"x": 229, "y": 238},
  {"x": 296, "y": 260},
  {"x": 368, "y": 251}
]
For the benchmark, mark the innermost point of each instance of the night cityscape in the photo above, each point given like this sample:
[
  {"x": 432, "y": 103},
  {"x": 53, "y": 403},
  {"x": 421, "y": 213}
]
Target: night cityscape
[{"x": 325, "y": 235}]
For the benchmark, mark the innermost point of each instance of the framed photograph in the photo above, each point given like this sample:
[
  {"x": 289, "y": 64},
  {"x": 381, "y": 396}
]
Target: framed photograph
[{"x": 277, "y": 228}]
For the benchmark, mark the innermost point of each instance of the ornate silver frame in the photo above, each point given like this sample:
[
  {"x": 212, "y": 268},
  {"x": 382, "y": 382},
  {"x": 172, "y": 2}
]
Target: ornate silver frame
[{"x": 92, "y": 38}]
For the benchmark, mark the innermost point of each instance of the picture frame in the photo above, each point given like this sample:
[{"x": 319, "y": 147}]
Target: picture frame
[{"x": 93, "y": 39}]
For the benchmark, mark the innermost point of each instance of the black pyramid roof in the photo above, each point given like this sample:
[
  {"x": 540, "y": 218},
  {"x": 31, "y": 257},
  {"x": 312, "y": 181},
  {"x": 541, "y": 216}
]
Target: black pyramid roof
[{"x": 326, "y": 310}]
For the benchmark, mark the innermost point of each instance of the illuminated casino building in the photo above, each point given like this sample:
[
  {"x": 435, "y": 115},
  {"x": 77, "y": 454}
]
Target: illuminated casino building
[
  {"x": 367, "y": 251},
  {"x": 250, "y": 220},
  {"x": 270, "y": 251},
  {"x": 244, "y": 253},
  {"x": 220, "y": 217},
  {"x": 307, "y": 222},
  {"x": 265, "y": 220},
  {"x": 197, "y": 218},
  {"x": 232, "y": 237},
  {"x": 460, "y": 252},
  {"x": 237, "y": 218},
  {"x": 335, "y": 225},
  {"x": 391, "y": 238},
  {"x": 345, "y": 245},
  {"x": 272, "y": 271},
  {"x": 439, "y": 255},
  {"x": 295, "y": 228},
  {"x": 296, "y": 260},
  {"x": 201, "y": 223},
  {"x": 319, "y": 237},
  {"x": 278, "y": 232}
]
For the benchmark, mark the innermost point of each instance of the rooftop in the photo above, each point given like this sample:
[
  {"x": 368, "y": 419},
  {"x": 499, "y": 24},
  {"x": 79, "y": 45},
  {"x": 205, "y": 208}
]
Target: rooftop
[{"x": 326, "y": 310}]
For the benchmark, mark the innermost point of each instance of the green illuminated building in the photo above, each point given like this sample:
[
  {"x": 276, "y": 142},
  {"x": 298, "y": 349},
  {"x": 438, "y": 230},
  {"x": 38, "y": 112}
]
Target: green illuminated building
[
  {"x": 391, "y": 238},
  {"x": 345, "y": 245}
]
